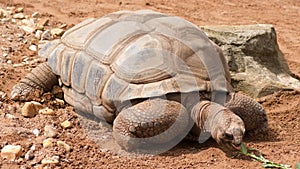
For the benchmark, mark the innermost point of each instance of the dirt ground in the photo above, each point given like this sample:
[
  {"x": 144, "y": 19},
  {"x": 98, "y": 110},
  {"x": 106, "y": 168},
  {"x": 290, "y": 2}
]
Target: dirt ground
[{"x": 281, "y": 144}]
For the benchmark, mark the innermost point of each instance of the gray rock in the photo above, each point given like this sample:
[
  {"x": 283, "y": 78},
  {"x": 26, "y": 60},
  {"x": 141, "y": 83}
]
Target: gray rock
[{"x": 257, "y": 66}]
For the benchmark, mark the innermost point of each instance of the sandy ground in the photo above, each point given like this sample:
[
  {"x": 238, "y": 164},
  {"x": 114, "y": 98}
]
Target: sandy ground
[{"x": 281, "y": 144}]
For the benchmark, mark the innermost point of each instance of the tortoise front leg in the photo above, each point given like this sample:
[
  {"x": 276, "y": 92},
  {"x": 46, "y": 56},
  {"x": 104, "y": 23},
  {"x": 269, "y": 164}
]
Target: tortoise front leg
[
  {"x": 41, "y": 78},
  {"x": 214, "y": 120},
  {"x": 251, "y": 112},
  {"x": 151, "y": 126}
]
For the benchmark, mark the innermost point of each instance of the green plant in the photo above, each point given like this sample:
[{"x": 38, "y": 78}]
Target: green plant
[{"x": 265, "y": 163}]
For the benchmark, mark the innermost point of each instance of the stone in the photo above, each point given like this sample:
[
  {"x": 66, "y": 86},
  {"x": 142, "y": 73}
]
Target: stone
[
  {"x": 35, "y": 15},
  {"x": 50, "y": 160},
  {"x": 19, "y": 16},
  {"x": 46, "y": 35},
  {"x": 66, "y": 124},
  {"x": 57, "y": 32},
  {"x": 33, "y": 48},
  {"x": 30, "y": 109},
  {"x": 19, "y": 10},
  {"x": 38, "y": 34},
  {"x": 28, "y": 29},
  {"x": 11, "y": 152},
  {"x": 30, "y": 154},
  {"x": 257, "y": 65},
  {"x": 48, "y": 142},
  {"x": 43, "y": 22},
  {"x": 36, "y": 132},
  {"x": 2, "y": 95},
  {"x": 47, "y": 111},
  {"x": 50, "y": 132},
  {"x": 65, "y": 145}
]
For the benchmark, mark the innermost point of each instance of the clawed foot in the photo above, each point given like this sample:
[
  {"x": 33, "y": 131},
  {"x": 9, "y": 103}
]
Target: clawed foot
[{"x": 22, "y": 91}]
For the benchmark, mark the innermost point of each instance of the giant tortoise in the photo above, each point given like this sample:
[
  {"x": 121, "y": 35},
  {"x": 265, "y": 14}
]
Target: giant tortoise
[{"x": 154, "y": 77}]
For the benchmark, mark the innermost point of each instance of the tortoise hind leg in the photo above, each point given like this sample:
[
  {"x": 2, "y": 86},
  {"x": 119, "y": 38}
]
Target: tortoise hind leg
[
  {"x": 251, "y": 112},
  {"x": 152, "y": 126},
  {"x": 41, "y": 78}
]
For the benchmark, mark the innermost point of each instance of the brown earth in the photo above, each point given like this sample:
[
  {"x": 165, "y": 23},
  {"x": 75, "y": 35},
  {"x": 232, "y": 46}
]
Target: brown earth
[{"x": 281, "y": 144}]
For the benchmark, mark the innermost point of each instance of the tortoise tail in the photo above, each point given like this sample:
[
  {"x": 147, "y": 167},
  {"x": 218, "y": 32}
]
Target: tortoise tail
[{"x": 41, "y": 78}]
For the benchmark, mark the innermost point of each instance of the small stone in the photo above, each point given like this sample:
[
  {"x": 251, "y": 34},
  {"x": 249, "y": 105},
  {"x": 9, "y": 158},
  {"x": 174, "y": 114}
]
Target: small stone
[
  {"x": 38, "y": 34},
  {"x": 49, "y": 131},
  {"x": 35, "y": 15},
  {"x": 19, "y": 16},
  {"x": 59, "y": 101},
  {"x": 11, "y": 152},
  {"x": 47, "y": 111},
  {"x": 57, "y": 32},
  {"x": 33, "y": 48},
  {"x": 50, "y": 160},
  {"x": 43, "y": 22},
  {"x": 29, "y": 110},
  {"x": 63, "y": 26},
  {"x": 29, "y": 155},
  {"x": 18, "y": 65},
  {"x": 2, "y": 95},
  {"x": 65, "y": 145},
  {"x": 27, "y": 29},
  {"x": 19, "y": 10},
  {"x": 46, "y": 35},
  {"x": 66, "y": 124},
  {"x": 57, "y": 92},
  {"x": 36, "y": 132},
  {"x": 9, "y": 62},
  {"x": 48, "y": 142}
]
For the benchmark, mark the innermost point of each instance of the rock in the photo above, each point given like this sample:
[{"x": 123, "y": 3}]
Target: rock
[
  {"x": 28, "y": 29},
  {"x": 43, "y": 22},
  {"x": 35, "y": 15},
  {"x": 2, "y": 95},
  {"x": 33, "y": 48},
  {"x": 50, "y": 132},
  {"x": 46, "y": 35},
  {"x": 50, "y": 160},
  {"x": 30, "y": 154},
  {"x": 19, "y": 10},
  {"x": 36, "y": 132},
  {"x": 47, "y": 111},
  {"x": 66, "y": 124},
  {"x": 257, "y": 66},
  {"x": 65, "y": 145},
  {"x": 19, "y": 16},
  {"x": 57, "y": 92},
  {"x": 38, "y": 34},
  {"x": 30, "y": 109},
  {"x": 11, "y": 152},
  {"x": 48, "y": 142},
  {"x": 57, "y": 32}
]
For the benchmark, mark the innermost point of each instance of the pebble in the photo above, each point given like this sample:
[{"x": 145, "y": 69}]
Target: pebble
[
  {"x": 38, "y": 34},
  {"x": 33, "y": 48},
  {"x": 2, "y": 95},
  {"x": 47, "y": 111},
  {"x": 27, "y": 29},
  {"x": 50, "y": 132},
  {"x": 57, "y": 92},
  {"x": 19, "y": 10},
  {"x": 19, "y": 16},
  {"x": 43, "y": 22},
  {"x": 66, "y": 124},
  {"x": 30, "y": 154},
  {"x": 11, "y": 152},
  {"x": 65, "y": 145},
  {"x": 35, "y": 15},
  {"x": 46, "y": 35},
  {"x": 57, "y": 32},
  {"x": 48, "y": 142},
  {"x": 50, "y": 160},
  {"x": 36, "y": 132},
  {"x": 30, "y": 109}
]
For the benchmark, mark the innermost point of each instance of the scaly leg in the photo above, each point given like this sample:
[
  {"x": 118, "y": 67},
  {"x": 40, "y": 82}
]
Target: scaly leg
[
  {"x": 152, "y": 126},
  {"x": 41, "y": 78}
]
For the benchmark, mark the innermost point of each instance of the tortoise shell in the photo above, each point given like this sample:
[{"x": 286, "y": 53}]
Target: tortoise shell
[{"x": 131, "y": 55}]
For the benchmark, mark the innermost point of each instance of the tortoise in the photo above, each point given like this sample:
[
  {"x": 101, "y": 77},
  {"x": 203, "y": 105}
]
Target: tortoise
[{"x": 156, "y": 78}]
